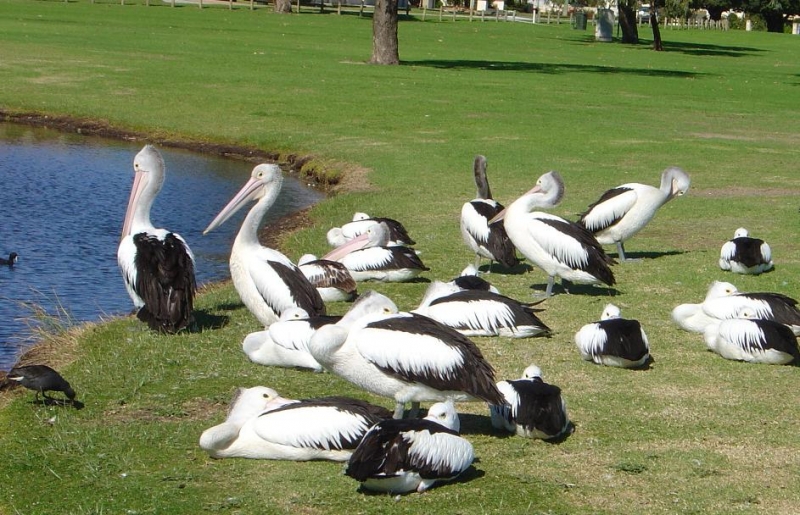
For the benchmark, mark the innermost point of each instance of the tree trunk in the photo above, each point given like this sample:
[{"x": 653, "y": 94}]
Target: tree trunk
[
  {"x": 283, "y": 6},
  {"x": 627, "y": 23},
  {"x": 384, "y": 33},
  {"x": 657, "y": 45},
  {"x": 774, "y": 20}
]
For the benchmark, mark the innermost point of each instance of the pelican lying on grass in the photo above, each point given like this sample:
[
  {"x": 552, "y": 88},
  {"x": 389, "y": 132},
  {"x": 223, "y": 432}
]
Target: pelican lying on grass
[
  {"x": 613, "y": 341},
  {"x": 471, "y": 280},
  {"x": 753, "y": 340},
  {"x": 331, "y": 278},
  {"x": 397, "y": 233},
  {"x": 745, "y": 255}
]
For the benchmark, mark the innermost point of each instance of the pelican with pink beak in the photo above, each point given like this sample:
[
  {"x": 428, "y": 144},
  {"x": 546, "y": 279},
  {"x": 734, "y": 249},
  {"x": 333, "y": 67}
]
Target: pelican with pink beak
[
  {"x": 157, "y": 265},
  {"x": 267, "y": 281}
]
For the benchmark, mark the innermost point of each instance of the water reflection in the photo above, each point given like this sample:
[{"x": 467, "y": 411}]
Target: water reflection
[{"x": 63, "y": 199}]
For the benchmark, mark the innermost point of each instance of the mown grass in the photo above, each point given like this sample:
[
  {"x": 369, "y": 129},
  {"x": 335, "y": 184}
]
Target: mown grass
[{"x": 693, "y": 434}]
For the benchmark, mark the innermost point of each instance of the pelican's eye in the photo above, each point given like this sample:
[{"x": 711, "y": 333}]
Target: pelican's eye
[{"x": 265, "y": 395}]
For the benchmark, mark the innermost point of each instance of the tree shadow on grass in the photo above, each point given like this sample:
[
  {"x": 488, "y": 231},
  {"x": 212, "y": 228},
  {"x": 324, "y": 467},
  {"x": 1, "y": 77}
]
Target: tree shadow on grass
[{"x": 691, "y": 48}]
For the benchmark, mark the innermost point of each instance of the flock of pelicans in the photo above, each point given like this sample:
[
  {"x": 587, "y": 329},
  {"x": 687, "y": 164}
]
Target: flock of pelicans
[{"x": 424, "y": 355}]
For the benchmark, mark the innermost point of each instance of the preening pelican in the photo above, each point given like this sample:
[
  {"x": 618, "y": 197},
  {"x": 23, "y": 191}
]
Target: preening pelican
[
  {"x": 11, "y": 261},
  {"x": 623, "y": 211},
  {"x": 486, "y": 240},
  {"x": 559, "y": 247},
  {"x": 752, "y": 340},
  {"x": 480, "y": 313},
  {"x": 331, "y": 278},
  {"x": 266, "y": 280},
  {"x": 401, "y": 456},
  {"x": 398, "y": 235},
  {"x": 470, "y": 280},
  {"x": 404, "y": 356},
  {"x": 533, "y": 409},
  {"x": 368, "y": 257},
  {"x": 745, "y": 255},
  {"x": 329, "y": 428},
  {"x": 613, "y": 341},
  {"x": 157, "y": 265}
]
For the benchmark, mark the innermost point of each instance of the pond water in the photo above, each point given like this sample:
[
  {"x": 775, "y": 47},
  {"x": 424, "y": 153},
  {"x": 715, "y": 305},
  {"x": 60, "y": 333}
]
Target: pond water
[{"x": 62, "y": 203}]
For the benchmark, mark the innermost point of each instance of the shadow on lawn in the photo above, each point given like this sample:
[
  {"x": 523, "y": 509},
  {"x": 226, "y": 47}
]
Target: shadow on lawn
[{"x": 547, "y": 68}]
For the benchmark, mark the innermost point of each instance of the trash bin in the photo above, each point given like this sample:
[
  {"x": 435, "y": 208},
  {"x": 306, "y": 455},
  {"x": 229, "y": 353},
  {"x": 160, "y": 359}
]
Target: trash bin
[
  {"x": 604, "y": 29},
  {"x": 579, "y": 21}
]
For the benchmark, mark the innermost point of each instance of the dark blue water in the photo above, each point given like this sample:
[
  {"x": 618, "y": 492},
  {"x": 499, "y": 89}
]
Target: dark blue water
[{"x": 62, "y": 203}]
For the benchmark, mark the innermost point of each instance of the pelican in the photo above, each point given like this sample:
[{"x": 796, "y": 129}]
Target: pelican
[
  {"x": 753, "y": 340},
  {"x": 266, "y": 280},
  {"x": 285, "y": 342},
  {"x": 613, "y": 341},
  {"x": 328, "y": 428},
  {"x": 559, "y": 247},
  {"x": 480, "y": 313},
  {"x": 724, "y": 301},
  {"x": 368, "y": 257},
  {"x": 470, "y": 280},
  {"x": 404, "y": 356},
  {"x": 745, "y": 255},
  {"x": 11, "y": 261},
  {"x": 486, "y": 240},
  {"x": 157, "y": 265},
  {"x": 534, "y": 408},
  {"x": 401, "y": 456},
  {"x": 623, "y": 211},
  {"x": 331, "y": 278},
  {"x": 398, "y": 235},
  {"x": 41, "y": 379}
]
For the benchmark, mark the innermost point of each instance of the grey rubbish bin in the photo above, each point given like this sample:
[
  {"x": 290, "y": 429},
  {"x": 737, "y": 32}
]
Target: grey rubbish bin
[
  {"x": 605, "y": 25},
  {"x": 579, "y": 21}
]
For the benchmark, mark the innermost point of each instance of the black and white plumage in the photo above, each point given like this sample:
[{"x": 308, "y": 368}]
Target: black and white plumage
[
  {"x": 285, "y": 342},
  {"x": 332, "y": 279},
  {"x": 724, "y": 301},
  {"x": 11, "y": 261},
  {"x": 328, "y": 428},
  {"x": 623, "y": 211},
  {"x": 753, "y": 340},
  {"x": 613, "y": 341},
  {"x": 533, "y": 409},
  {"x": 745, "y": 255},
  {"x": 41, "y": 379},
  {"x": 486, "y": 240},
  {"x": 368, "y": 257},
  {"x": 157, "y": 265},
  {"x": 401, "y": 456},
  {"x": 266, "y": 280},
  {"x": 559, "y": 247},
  {"x": 470, "y": 280},
  {"x": 397, "y": 233},
  {"x": 404, "y": 356},
  {"x": 480, "y": 313}
]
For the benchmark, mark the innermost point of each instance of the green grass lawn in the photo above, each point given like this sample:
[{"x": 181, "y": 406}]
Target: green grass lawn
[{"x": 693, "y": 434}]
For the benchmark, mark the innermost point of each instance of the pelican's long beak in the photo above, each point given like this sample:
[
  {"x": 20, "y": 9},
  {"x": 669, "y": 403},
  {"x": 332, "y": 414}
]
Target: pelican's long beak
[
  {"x": 499, "y": 216},
  {"x": 250, "y": 191},
  {"x": 359, "y": 242},
  {"x": 139, "y": 183}
]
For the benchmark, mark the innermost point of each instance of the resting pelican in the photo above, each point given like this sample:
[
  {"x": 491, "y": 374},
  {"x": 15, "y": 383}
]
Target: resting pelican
[
  {"x": 534, "y": 408},
  {"x": 11, "y": 261},
  {"x": 753, "y": 340},
  {"x": 480, "y": 313},
  {"x": 328, "y": 428},
  {"x": 613, "y": 341},
  {"x": 470, "y": 280},
  {"x": 745, "y": 255},
  {"x": 157, "y": 265},
  {"x": 557, "y": 246},
  {"x": 486, "y": 240},
  {"x": 398, "y": 235},
  {"x": 623, "y": 211},
  {"x": 266, "y": 280},
  {"x": 331, "y": 278},
  {"x": 401, "y": 456},
  {"x": 368, "y": 257},
  {"x": 404, "y": 356}
]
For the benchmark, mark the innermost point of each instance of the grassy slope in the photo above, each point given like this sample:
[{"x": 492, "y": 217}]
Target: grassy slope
[{"x": 693, "y": 434}]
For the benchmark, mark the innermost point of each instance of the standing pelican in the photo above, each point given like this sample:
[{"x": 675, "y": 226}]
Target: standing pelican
[
  {"x": 623, "y": 211},
  {"x": 266, "y": 280},
  {"x": 157, "y": 265},
  {"x": 745, "y": 255},
  {"x": 557, "y": 246},
  {"x": 613, "y": 341},
  {"x": 401, "y": 456},
  {"x": 486, "y": 240}
]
